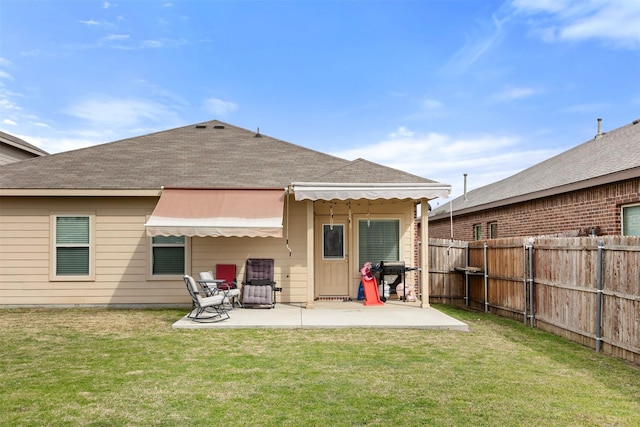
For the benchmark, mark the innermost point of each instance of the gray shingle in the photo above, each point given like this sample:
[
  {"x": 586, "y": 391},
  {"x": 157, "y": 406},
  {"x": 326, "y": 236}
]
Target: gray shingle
[{"x": 211, "y": 154}]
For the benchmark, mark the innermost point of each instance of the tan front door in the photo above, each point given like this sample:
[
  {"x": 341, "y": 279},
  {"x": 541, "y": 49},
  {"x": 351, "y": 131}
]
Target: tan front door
[{"x": 332, "y": 257}]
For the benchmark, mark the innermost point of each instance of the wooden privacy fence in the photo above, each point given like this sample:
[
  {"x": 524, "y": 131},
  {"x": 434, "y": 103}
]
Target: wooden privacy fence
[{"x": 584, "y": 288}]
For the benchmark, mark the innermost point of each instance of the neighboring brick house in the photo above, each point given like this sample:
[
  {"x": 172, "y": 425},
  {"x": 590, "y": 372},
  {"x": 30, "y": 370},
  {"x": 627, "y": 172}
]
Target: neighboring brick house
[
  {"x": 593, "y": 188},
  {"x": 14, "y": 149}
]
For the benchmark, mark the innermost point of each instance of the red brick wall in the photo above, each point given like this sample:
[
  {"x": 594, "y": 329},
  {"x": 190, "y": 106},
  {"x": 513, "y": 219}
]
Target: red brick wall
[{"x": 574, "y": 212}]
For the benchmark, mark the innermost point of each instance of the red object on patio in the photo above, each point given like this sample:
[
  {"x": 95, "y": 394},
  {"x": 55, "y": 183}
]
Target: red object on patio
[
  {"x": 226, "y": 272},
  {"x": 371, "y": 295}
]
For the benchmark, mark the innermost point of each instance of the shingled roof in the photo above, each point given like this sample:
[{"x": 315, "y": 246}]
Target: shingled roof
[
  {"x": 609, "y": 157},
  {"x": 211, "y": 154}
]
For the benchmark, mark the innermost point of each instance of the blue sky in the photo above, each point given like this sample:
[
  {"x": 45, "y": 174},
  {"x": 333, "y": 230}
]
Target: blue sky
[{"x": 437, "y": 88}]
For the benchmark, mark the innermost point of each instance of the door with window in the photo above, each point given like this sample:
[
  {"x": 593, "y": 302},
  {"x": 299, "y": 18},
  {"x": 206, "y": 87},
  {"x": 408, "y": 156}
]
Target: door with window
[{"x": 332, "y": 257}]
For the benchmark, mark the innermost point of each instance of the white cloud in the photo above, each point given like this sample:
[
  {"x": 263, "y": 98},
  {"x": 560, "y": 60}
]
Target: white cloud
[
  {"x": 7, "y": 104},
  {"x": 432, "y": 104},
  {"x": 445, "y": 158},
  {"x": 9, "y": 122},
  {"x": 586, "y": 108},
  {"x": 119, "y": 113},
  {"x": 402, "y": 132},
  {"x": 476, "y": 46},
  {"x": 612, "y": 21},
  {"x": 512, "y": 93},
  {"x": 54, "y": 145},
  {"x": 5, "y": 75},
  {"x": 90, "y": 23},
  {"x": 111, "y": 37},
  {"x": 219, "y": 107}
]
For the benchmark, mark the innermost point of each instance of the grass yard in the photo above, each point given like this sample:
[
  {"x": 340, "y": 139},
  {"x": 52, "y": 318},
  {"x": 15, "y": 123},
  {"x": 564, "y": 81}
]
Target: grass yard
[{"x": 94, "y": 367}]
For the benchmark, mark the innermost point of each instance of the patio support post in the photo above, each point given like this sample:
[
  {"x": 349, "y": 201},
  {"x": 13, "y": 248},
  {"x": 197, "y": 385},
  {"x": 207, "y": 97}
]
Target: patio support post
[
  {"x": 424, "y": 255},
  {"x": 311, "y": 284}
]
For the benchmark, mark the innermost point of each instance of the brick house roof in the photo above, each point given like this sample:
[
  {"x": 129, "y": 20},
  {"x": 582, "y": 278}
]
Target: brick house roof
[
  {"x": 609, "y": 157},
  {"x": 210, "y": 154}
]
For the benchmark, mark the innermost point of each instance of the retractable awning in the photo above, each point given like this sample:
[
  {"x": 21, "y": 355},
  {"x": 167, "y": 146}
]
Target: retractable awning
[
  {"x": 373, "y": 191},
  {"x": 218, "y": 213}
]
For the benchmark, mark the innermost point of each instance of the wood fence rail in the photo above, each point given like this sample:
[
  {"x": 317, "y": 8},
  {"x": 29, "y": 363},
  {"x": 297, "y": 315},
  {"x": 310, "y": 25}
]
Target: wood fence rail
[{"x": 584, "y": 288}]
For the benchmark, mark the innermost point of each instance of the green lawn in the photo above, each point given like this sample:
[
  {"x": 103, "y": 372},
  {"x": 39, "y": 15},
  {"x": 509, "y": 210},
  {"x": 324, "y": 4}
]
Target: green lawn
[{"x": 94, "y": 367}]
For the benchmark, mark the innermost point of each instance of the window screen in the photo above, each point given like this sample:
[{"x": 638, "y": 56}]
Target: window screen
[
  {"x": 378, "y": 240},
  {"x": 631, "y": 220},
  {"x": 168, "y": 255},
  {"x": 72, "y": 245}
]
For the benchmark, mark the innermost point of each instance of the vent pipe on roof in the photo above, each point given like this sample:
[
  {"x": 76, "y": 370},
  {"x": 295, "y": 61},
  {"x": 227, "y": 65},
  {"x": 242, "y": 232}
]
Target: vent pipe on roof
[
  {"x": 258, "y": 135},
  {"x": 600, "y": 133},
  {"x": 465, "y": 187}
]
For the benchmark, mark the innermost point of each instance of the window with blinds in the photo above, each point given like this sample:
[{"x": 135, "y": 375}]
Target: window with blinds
[
  {"x": 378, "y": 240},
  {"x": 73, "y": 245},
  {"x": 631, "y": 220},
  {"x": 168, "y": 255}
]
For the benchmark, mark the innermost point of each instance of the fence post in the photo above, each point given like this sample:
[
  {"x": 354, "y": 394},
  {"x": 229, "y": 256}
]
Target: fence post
[
  {"x": 466, "y": 276},
  {"x": 525, "y": 250},
  {"x": 486, "y": 281},
  {"x": 599, "y": 298},
  {"x": 530, "y": 280}
]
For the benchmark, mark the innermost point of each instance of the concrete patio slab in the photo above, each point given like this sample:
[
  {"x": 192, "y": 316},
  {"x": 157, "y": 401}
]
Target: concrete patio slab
[{"x": 352, "y": 314}]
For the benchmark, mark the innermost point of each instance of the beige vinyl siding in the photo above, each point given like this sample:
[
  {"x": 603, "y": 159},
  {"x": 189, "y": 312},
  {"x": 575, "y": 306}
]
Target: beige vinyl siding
[
  {"x": 9, "y": 154},
  {"x": 120, "y": 254},
  {"x": 122, "y": 247}
]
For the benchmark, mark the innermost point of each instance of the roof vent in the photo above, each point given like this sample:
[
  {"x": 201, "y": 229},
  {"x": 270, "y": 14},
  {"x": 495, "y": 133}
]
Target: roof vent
[
  {"x": 600, "y": 133},
  {"x": 201, "y": 126},
  {"x": 258, "y": 134},
  {"x": 218, "y": 126}
]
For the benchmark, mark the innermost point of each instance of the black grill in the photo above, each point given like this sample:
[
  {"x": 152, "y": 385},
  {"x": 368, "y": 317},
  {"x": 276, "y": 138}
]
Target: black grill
[
  {"x": 388, "y": 268},
  {"x": 393, "y": 268}
]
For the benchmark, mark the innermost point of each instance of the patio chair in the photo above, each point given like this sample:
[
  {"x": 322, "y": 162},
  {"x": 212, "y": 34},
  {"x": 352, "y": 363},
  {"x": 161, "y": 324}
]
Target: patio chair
[
  {"x": 227, "y": 272},
  {"x": 258, "y": 287},
  {"x": 207, "y": 307},
  {"x": 213, "y": 286}
]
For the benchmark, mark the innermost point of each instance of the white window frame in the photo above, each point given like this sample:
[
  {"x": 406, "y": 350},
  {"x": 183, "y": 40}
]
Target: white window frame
[
  {"x": 187, "y": 257},
  {"x": 622, "y": 209},
  {"x": 53, "y": 269}
]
